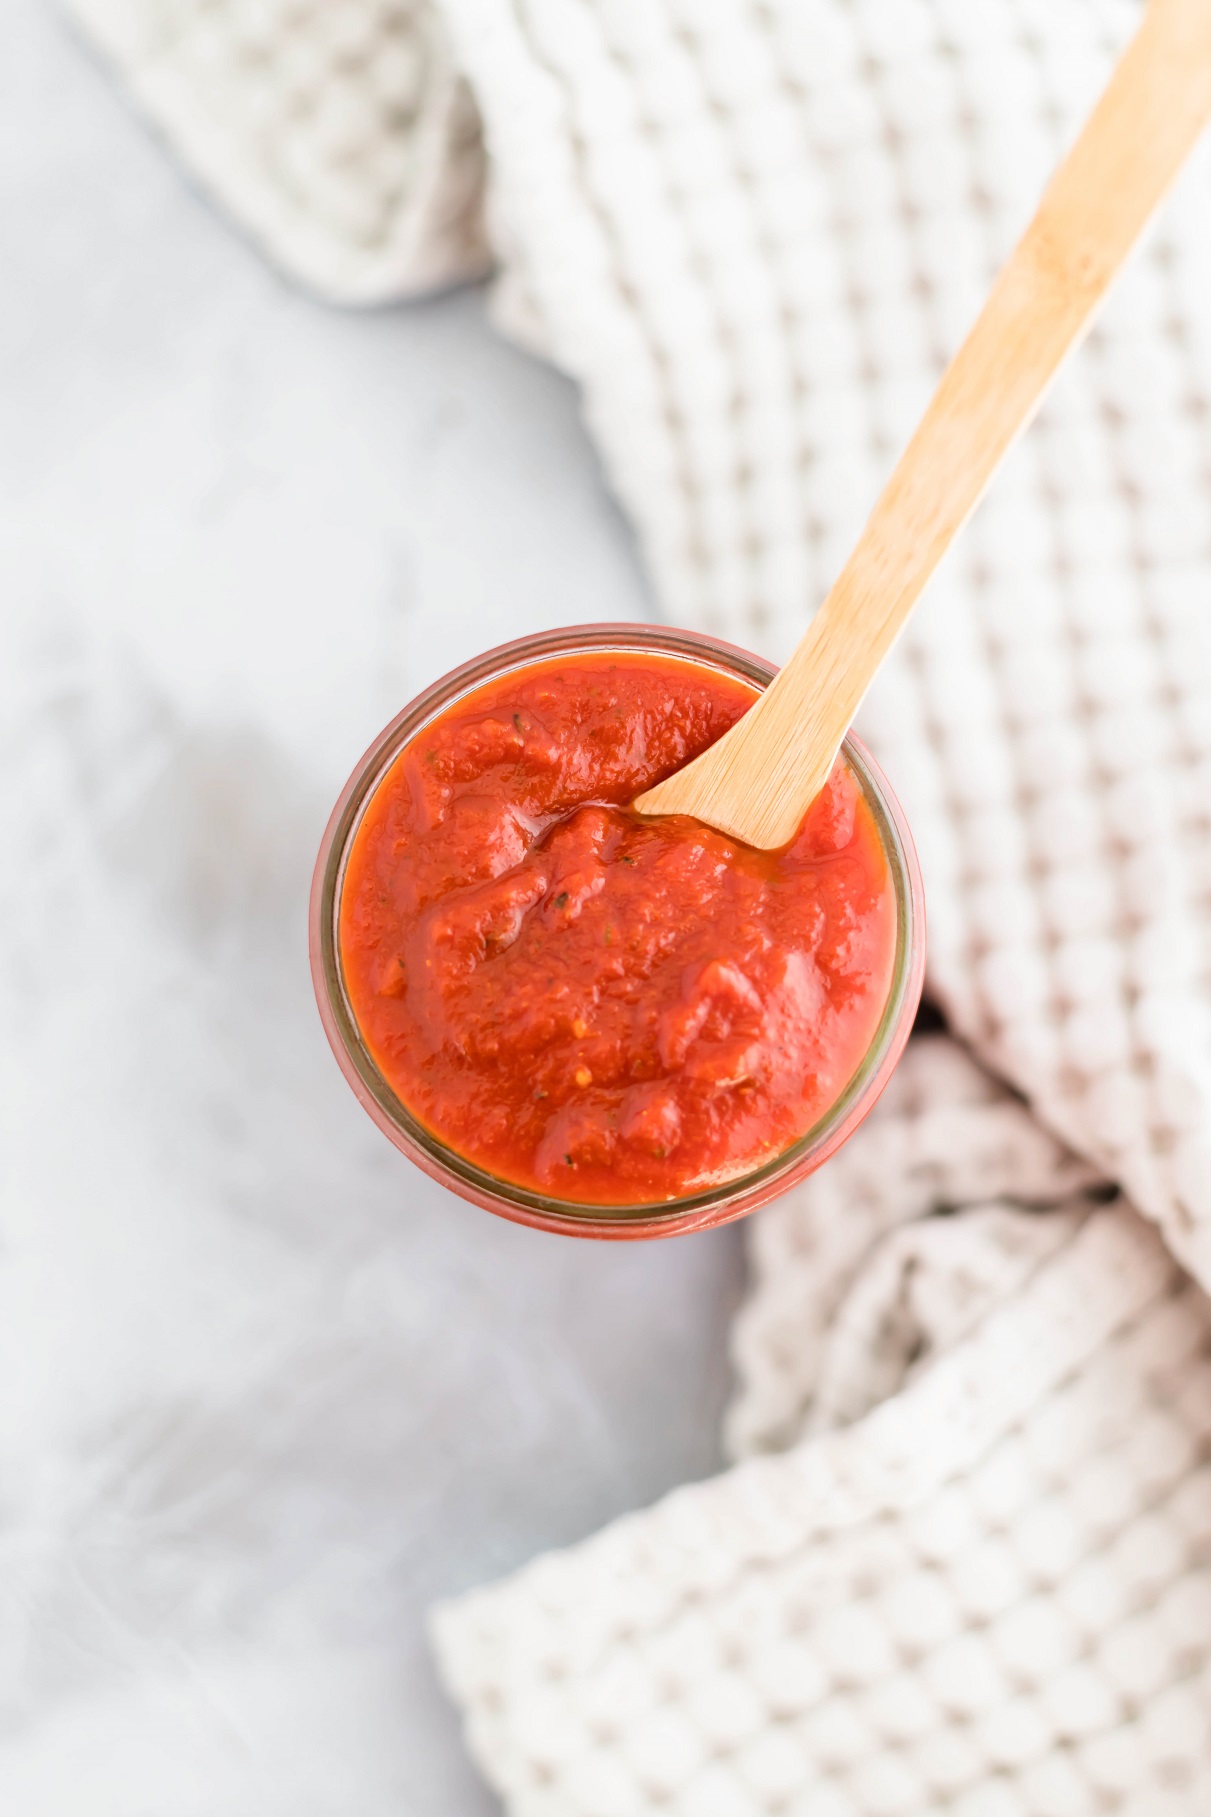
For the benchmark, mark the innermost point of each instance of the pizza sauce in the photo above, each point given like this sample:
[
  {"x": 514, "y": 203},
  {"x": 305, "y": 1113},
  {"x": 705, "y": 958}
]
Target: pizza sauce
[{"x": 601, "y": 1007}]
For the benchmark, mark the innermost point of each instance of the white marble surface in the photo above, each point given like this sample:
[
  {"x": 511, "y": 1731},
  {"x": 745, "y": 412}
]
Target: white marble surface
[{"x": 264, "y": 1391}]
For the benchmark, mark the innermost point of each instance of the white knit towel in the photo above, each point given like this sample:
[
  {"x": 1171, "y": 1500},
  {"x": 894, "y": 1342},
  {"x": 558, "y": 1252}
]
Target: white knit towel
[
  {"x": 989, "y": 1595},
  {"x": 754, "y": 230}
]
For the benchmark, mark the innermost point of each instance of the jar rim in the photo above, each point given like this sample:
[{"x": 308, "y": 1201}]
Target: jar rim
[{"x": 716, "y": 1204}]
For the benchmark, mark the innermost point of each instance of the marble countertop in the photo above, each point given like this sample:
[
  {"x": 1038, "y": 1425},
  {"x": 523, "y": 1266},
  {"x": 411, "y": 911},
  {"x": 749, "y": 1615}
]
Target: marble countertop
[{"x": 265, "y": 1392}]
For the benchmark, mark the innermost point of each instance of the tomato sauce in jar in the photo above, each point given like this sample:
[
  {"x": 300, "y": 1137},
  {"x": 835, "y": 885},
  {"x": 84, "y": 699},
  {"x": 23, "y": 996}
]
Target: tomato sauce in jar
[{"x": 597, "y": 1006}]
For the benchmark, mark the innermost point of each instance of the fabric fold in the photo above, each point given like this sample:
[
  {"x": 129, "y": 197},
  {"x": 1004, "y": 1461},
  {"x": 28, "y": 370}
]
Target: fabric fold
[
  {"x": 340, "y": 136},
  {"x": 990, "y": 1593}
]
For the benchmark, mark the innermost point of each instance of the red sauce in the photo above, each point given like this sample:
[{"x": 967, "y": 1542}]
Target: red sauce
[{"x": 605, "y": 1008}]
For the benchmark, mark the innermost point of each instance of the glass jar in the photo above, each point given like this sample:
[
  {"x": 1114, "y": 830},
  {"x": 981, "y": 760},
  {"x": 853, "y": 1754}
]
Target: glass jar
[{"x": 700, "y": 1210}]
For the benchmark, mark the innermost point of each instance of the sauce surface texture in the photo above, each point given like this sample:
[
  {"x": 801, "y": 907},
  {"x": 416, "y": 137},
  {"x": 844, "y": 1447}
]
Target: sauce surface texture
[{"x": 603, "y": 1008}]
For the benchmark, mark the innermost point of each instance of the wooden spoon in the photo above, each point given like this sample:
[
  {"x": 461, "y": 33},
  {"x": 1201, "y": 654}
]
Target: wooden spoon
[{"x": 759, "y": 779}]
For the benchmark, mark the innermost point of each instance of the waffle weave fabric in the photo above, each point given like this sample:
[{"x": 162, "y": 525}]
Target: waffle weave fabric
[
  {"x": 989, "y": 1594},
  {"x": 972, "y": 1571},
  {"x": 816, "y": 1344},
  {"x": 338, "y": 132}
]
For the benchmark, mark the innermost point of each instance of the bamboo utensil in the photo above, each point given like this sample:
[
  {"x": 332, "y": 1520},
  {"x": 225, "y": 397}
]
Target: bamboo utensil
[{"x": 759, "y": 779}]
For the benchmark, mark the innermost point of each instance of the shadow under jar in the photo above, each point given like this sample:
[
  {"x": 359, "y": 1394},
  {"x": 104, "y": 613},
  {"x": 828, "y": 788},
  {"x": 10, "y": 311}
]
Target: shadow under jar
[{"x": 338, "y": 984}]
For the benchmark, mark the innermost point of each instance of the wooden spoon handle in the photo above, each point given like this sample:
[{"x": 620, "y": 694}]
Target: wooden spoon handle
[{"x": 759, "y": 780}]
